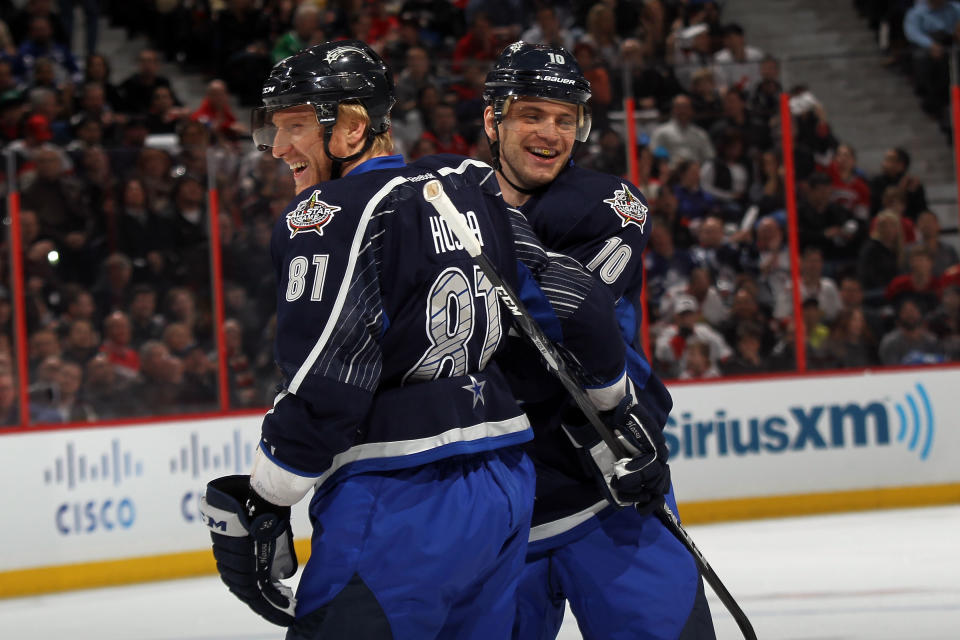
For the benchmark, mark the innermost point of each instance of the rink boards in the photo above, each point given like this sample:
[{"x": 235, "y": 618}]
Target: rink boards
[{"x": 108, "y": 505}]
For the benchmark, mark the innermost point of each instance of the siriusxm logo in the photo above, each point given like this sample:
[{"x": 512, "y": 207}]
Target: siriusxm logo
[{"x": 806, "y": 427}]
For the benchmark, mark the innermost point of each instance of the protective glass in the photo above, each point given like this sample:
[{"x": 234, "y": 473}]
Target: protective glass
[
  {"x": 285, "y": 131},
  {"x": 577, "y": 124}
]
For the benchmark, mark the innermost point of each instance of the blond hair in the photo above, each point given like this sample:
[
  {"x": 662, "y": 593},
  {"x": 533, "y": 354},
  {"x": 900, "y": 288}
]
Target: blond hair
[{"x": 382, "y": 143}]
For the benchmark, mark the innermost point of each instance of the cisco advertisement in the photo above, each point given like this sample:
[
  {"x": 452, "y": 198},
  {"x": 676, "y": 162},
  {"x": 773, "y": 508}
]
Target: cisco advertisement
[{"x": 95, "y": 494}]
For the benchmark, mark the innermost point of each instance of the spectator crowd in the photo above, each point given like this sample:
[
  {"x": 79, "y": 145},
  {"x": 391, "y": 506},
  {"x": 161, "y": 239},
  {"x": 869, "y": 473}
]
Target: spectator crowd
[{"x": 113, "y": 176}]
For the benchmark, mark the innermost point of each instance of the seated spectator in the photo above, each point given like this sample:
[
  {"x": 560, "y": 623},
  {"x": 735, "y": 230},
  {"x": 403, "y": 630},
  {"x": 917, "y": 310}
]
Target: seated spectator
[
  {"x": 178, "y": 337},
  {"x": 92, "y": 105},
  {"x": 69, "y": 403},
  {"x": 40, "y": 44},
  {"x": 44, "y": 344},
  {"x": 305, "y": 32},
  {"x": 667, "y": 267},
  {"x": 931, "y": 27},
  {"x": 682, "y": 139},
  {"x": 10, "y": 407},
  {"x": 652, "y": 82},
  {"x": 44, "y": 388},
  {"x": 696, "y": 362},
  {"x": 910, "y": 342},
  {"x": 773, "y": 260},
  {"x": 737, "y": 65},
  {"x": 112, "y": 289},
  {"x": 160, "y": 381},
  {"x": 96, "y": 68},
  {"x": 154, "y": 169},
  {"x": 749, "y": 356},
  {"x": 849, "y": 189},
  {"x": 919, "y": 284},
  {"x": 241, "y": 379},
  {"x": 60, "y": 201},
  {"x": 878, "y": 319},
  {"x": 693, "y": 202},
  {"x": 688, "y": 49},
  {"x": 767, "y": 192},
  {"x": 117, "y": 344},
  {"x": 881, "y": 255},
  {"x": 479, "y": 43},
  {"x": 746, "y": 311},
  {"x": 818, "y": 333},
  {"x": 163, "y": 115},
  {"x": 548, "y": 30},
  {"x": 814, "y": 142},
  {"x": 138, "y": 88},
  {"x": 765, "y": 98},
  {"x": 416, "y": 75},
  {"x": 601, "y": 34},
  {"x": 944, "y": 321},
  {"x": 610, "y": 156},
  {"x": 599, "y": 79},
  {"x": 81, "y": 342},
  {"x": 671, "y": 343},
  {"x": 701, "y": 288},
  {"x": 895, "y": 199},
  {"x": 944, "y": 256},
  {"x": 852, "y": 343},
  {"x": 826, "y": 224},
  {"x": 215, "y": 111},
  {"x": 705, "y": 99},
  {"x": 181, "y": 306},
  {"x": 754, "y": 133},
  {"x": 199, "y": 387},
  {"x": 725, "y": 177},
  {"x": 893, "y": 173},
  {"x": 724, "y": 259},
  {"x": 813, "y": 285},
  {"x": 108, "y": 392},
  {"x": 443, "y": 131}
]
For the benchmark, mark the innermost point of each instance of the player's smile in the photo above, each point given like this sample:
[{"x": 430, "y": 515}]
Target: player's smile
[
  {"x": 536, "y": 138},
  {"x": 299, "y": 143}
]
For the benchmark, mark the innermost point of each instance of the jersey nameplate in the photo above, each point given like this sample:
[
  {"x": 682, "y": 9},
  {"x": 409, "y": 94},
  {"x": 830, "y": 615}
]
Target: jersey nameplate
[{"x": 445, "y": 240}]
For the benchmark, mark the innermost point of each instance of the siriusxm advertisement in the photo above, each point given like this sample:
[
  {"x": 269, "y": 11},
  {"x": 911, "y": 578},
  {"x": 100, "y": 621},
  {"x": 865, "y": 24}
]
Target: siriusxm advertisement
[{"x": 95, "y": 494}]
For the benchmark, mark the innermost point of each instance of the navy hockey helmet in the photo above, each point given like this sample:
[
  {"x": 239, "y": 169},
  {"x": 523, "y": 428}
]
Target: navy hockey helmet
[
  {"x": 538, "y": 71},
  {"x": 324, "y": 76}
]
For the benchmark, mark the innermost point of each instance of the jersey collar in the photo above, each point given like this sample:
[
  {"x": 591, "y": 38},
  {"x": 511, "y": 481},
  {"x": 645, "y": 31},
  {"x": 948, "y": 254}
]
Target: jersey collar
[{"x": 380, "y": 162}]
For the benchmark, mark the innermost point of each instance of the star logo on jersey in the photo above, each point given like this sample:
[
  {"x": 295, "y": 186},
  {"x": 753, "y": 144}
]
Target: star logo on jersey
[
  {"x": 310, "y": 215},
  {"x": 629, "y": 207},
  {"x": 476, "y": 388}
]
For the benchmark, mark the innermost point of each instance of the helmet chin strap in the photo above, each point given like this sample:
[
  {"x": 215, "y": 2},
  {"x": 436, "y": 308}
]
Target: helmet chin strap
[{"x": 337, "y": 162}]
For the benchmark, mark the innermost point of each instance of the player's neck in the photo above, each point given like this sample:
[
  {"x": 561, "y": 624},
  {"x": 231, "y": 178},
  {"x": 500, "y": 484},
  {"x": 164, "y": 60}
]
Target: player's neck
[
  {"x": 509, "y": 193},
  {"x": 353, "y": 164}
]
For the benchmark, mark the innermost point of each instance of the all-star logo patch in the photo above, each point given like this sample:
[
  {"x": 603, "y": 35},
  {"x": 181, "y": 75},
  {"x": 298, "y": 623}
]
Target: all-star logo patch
[
  {"x": 310, "y": 215},
  {"x": 629, "y": 207}
]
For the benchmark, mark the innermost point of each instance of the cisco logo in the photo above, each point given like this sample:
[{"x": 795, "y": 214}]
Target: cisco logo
[
  {"x": 203, "y": 461},
  {"x": 810, "y": 427},
  {"x": 112, "y": 466},
  {"x": 197, "y": 458}
]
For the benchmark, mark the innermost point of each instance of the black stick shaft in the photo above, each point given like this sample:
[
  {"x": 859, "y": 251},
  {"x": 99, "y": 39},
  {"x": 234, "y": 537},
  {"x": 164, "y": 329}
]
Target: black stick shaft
[{"x": 433, "y": 192}]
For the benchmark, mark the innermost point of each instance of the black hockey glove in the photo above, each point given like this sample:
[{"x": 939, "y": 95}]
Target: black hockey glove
[
  {"x": 253, "y": 546},
  {"x": 642, "y": 479}
]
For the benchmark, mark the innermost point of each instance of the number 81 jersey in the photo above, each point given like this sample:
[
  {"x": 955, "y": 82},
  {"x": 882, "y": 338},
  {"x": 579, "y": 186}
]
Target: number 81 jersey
[{"x": 386, "y": 329}]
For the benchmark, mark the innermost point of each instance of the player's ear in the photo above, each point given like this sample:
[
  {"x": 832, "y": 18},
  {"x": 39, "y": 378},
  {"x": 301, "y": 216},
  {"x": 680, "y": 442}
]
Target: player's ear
[{"x": 490, "y": 123}]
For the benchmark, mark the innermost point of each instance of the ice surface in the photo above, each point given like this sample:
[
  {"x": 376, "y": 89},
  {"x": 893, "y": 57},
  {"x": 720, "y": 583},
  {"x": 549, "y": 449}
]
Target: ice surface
[{"x": 877, "y": 575}]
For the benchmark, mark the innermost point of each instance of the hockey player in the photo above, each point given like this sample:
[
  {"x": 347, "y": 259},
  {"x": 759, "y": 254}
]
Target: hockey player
[
  {"x": 392, "y": 409},
  {"x": 624, "y": 574}
]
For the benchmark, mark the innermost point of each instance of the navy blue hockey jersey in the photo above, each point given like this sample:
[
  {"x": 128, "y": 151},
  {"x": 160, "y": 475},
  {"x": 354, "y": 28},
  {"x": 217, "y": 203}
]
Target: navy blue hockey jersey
[
  {"x": 386, "y": 329},
  {"x": 603, "y": 222}
]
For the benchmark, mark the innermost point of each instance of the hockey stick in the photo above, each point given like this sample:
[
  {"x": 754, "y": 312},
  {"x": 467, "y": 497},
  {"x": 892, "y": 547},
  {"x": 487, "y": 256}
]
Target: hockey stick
[{"x": 433, "y": 193}]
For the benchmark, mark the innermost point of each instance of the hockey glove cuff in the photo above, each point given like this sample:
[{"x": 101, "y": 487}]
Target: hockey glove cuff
[
  {"x": 253, "y": 546},
  {"x": 641, "y": 479}
]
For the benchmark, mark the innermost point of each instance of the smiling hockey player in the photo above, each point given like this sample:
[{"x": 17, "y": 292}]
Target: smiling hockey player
[
  {"x": 393, "y": 408},
  {"x": 624, "y": 574}
]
